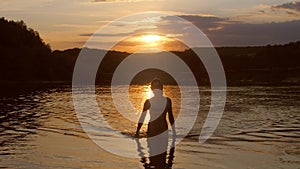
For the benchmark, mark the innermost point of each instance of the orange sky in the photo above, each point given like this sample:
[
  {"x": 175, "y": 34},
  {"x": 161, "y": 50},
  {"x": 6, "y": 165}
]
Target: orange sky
[{"x": 67, "y": 24}]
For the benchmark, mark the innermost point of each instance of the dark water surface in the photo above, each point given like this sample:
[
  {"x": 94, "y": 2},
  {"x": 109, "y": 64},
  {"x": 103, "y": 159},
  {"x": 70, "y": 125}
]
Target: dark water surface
[{"x": 260, "y": 128}]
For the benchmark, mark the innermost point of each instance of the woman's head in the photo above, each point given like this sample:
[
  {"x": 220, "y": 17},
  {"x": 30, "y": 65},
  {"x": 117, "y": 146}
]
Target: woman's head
[{"x": 156, "y": 84}]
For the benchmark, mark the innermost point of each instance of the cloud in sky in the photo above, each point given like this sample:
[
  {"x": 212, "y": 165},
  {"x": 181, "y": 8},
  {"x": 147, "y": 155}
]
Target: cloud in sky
[
  {"x": 221, "y": 31},
  {"x": 119, "y": 0},
  {"x": 137, "y": 31},
  {"x": 208, "y": 23},
  {"x": 231, "y": 33},
  {"x": 295, "y": 5},
  {"x": 290, "y": 9}
]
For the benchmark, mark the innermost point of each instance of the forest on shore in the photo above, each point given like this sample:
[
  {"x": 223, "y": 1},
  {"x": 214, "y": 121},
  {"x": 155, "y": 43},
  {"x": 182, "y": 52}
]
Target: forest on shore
[{"x": 26, "y": 58}]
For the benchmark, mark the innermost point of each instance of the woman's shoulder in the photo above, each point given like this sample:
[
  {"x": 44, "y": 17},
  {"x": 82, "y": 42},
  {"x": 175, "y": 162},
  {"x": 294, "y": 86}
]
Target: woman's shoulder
[{"x": 147, "y": 101}]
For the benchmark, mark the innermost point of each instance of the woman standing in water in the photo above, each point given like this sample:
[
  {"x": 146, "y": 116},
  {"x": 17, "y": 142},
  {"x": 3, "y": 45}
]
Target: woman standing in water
[{"x": 157, "y": 133}]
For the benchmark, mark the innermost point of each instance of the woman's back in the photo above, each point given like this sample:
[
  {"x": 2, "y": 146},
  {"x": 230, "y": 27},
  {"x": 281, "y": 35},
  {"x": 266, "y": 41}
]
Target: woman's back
[{"x": 158, "y": 111}]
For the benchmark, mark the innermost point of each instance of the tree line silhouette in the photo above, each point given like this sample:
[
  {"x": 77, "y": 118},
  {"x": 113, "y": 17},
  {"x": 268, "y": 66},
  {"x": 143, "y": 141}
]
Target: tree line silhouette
[
  {"x": 23, "y": 52},
  {"x": 25, "y": 57}
]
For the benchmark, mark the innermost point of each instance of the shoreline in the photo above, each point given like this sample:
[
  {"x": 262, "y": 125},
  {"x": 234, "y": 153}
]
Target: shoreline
[{"x": 15, "y": 88}]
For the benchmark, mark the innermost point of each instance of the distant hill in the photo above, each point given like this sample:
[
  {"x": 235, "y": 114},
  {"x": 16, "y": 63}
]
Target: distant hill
[
  {"x": 26, "y": 57},
  {"x": 276, "y": 65},
  {"x": 268, "y": 65}
]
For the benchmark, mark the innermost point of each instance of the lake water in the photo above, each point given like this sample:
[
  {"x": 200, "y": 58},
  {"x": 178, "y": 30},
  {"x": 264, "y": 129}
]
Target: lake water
[{"x": 260, "y": 128}]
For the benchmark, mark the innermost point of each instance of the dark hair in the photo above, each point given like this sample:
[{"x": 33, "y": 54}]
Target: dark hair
[{"x": 156, "y": 84}]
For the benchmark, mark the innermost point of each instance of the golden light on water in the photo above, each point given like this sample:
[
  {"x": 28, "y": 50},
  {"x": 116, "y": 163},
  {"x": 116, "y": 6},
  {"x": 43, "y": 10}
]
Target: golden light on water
[{"x": 149, "y": 94}]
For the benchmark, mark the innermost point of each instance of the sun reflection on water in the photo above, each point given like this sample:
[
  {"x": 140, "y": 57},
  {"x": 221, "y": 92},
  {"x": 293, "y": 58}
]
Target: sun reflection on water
[{"x": 148, "y": 94}]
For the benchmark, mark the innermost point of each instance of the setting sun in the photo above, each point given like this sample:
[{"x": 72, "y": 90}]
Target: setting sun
[
  {"x": 149, "y": 43},
  {"x": 151, "y": 38}
]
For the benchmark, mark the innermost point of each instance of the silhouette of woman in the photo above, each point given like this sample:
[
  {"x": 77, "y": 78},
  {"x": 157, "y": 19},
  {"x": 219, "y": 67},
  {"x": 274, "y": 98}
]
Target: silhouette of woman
[{"x": 157, "y": 133}]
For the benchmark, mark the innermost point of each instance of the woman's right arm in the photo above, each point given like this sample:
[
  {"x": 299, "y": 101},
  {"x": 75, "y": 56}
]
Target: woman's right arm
[{"x": 142, "y": 117}]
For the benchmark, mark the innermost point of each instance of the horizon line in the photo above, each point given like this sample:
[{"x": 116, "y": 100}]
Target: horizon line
[{"x": 229, "y": 46}]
